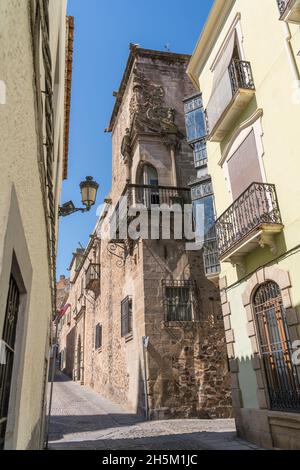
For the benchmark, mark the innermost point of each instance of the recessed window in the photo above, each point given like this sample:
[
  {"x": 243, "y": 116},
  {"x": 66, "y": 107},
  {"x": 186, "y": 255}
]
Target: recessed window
[
  {"x": 179, "y": 300},
  {"x": 98, "y": 336},
  {"x": 126, "y": 317}
]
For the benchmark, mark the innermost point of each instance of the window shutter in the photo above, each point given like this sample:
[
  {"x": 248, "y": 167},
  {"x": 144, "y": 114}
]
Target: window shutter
[
  {"x": 222, "y": 93},
  {"x": 224, "y": 61},
  {"x": 243, "y": 166}
]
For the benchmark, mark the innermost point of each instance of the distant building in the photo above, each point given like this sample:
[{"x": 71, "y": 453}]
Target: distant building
[
  {"x": 35, "y": 65},
  {"x": 148, "y": 326},
  {"x": 246, "y": 65}
]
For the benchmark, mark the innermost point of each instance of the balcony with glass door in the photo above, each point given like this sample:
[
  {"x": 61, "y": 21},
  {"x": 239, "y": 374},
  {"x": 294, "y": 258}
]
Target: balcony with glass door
[
  {"x": 230, "y": 97},
  {"x": 289, "y": 10}
]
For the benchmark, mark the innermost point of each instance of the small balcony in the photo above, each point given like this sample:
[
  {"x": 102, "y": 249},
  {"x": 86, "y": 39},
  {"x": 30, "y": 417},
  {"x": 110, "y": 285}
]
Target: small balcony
[
  {"x": 251, "y": 221},
  {"x": 289, "y": 10},
  {"x": 92, "y": 278},
  {"x": 229, "y": 99}
]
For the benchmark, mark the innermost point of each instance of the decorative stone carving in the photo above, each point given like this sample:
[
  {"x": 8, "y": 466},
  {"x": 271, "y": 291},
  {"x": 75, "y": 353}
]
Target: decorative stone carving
[
  {"x": 126, "y": 146},
  {"x": 148, "y": 113}
]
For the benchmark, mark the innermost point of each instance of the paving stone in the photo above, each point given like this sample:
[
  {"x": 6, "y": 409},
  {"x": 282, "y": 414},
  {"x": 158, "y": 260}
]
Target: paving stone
[{"x": 82, "y": 419}]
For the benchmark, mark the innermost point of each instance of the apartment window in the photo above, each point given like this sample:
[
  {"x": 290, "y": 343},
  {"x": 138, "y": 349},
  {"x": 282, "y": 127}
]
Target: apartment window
[
  {"x": 243, "y": 166},
  {"x": 276, "y": 349},
  {"x": 8, "y": 344},
  {"x": 126, "y": 317},
  {"x": 98, "y": 336},
  {"x": 179, "y": 299}
]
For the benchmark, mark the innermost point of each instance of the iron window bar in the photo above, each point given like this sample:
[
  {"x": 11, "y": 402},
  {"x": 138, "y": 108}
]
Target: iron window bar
[
  {"x": 179, "y": 300},
  {"x": 276, "y": 349},
  {"x": 8, "y": 342}
]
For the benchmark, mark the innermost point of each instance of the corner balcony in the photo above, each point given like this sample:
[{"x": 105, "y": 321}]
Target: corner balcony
[
  {"x": 289, "y": 10},
  {"x": 231, "y": 96},
  {"x": 92, "y": 278},
  {"x": 153, "y": 196},
  {"x": 251, "y": 221},
  {"x": 143, "y": 198}
]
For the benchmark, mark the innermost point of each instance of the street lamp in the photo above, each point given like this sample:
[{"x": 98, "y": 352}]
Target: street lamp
[{"x": 88, "y": 189}]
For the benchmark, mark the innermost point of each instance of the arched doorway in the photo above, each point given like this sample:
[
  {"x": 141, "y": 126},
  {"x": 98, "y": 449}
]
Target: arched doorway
[{"x": 276, "y": 348}]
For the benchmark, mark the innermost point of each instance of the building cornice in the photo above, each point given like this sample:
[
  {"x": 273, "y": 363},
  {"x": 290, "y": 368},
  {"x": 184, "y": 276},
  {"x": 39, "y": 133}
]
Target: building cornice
[{"x": 217, "y": 17}]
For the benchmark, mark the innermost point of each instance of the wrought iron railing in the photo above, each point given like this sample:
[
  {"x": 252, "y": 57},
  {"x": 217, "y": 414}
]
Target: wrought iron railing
[
  {"x": 150, "y": 196},
  {"x": 238, "y": 76},
  {"x": 256, "y": 206},
  {"x": 240, "y": 73},
  {"x": 282, "y": 5},
  {"x": 92, "y": 277}
]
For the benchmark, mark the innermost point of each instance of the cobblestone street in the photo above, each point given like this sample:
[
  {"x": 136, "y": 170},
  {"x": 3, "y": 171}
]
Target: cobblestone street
[{"x": 81, "y": 419}]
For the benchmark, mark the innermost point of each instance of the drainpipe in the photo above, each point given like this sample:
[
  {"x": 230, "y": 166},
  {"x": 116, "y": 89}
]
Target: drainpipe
[
  {"x": 292, "y": 59},
  {"x": 145, "y": 342}
]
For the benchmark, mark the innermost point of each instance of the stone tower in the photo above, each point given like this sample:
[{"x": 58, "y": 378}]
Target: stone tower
[{"x": 162, "y": 339}]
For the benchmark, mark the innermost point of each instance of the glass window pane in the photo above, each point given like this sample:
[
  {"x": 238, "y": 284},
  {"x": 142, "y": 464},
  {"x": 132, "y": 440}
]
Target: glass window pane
[{"x": 195, "y": 121}]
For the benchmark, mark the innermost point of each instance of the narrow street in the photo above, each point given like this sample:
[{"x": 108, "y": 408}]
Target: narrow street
[{"x": 81, "y": 419}]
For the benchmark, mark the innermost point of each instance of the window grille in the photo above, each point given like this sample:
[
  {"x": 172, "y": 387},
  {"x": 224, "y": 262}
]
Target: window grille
[
  {"x": 7, "y": 361},
  {"x": 179, "y": 300},
  {"x": 276, "y": 349}
]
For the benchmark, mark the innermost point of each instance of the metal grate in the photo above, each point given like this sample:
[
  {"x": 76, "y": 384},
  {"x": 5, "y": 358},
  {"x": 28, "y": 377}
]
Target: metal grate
[
  {"x": 8, "y": 342},
  {"x": 126, "y": 317},
  {"x": 179, "y": 300},
  {"x": 276, "y": 349}
]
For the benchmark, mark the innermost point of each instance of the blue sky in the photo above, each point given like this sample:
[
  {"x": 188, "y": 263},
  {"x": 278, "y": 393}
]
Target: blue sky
[{"x": 103, "y": 31}]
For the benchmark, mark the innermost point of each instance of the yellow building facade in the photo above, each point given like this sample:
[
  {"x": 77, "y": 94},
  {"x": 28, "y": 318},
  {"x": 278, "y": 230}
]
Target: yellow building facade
[{"x": 247, "y": 66}]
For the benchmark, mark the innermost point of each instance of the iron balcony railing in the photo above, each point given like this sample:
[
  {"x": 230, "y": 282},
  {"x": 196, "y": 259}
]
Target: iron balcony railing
[
  {"x": 282, "y": 5},
  {"x": 241, "y": 77},
  {"x": 237, "y": 77},
  {"x": 149, "y": 196},
  {"x": 92, "y": 277},
  {"x": 256, "y": 206}
]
